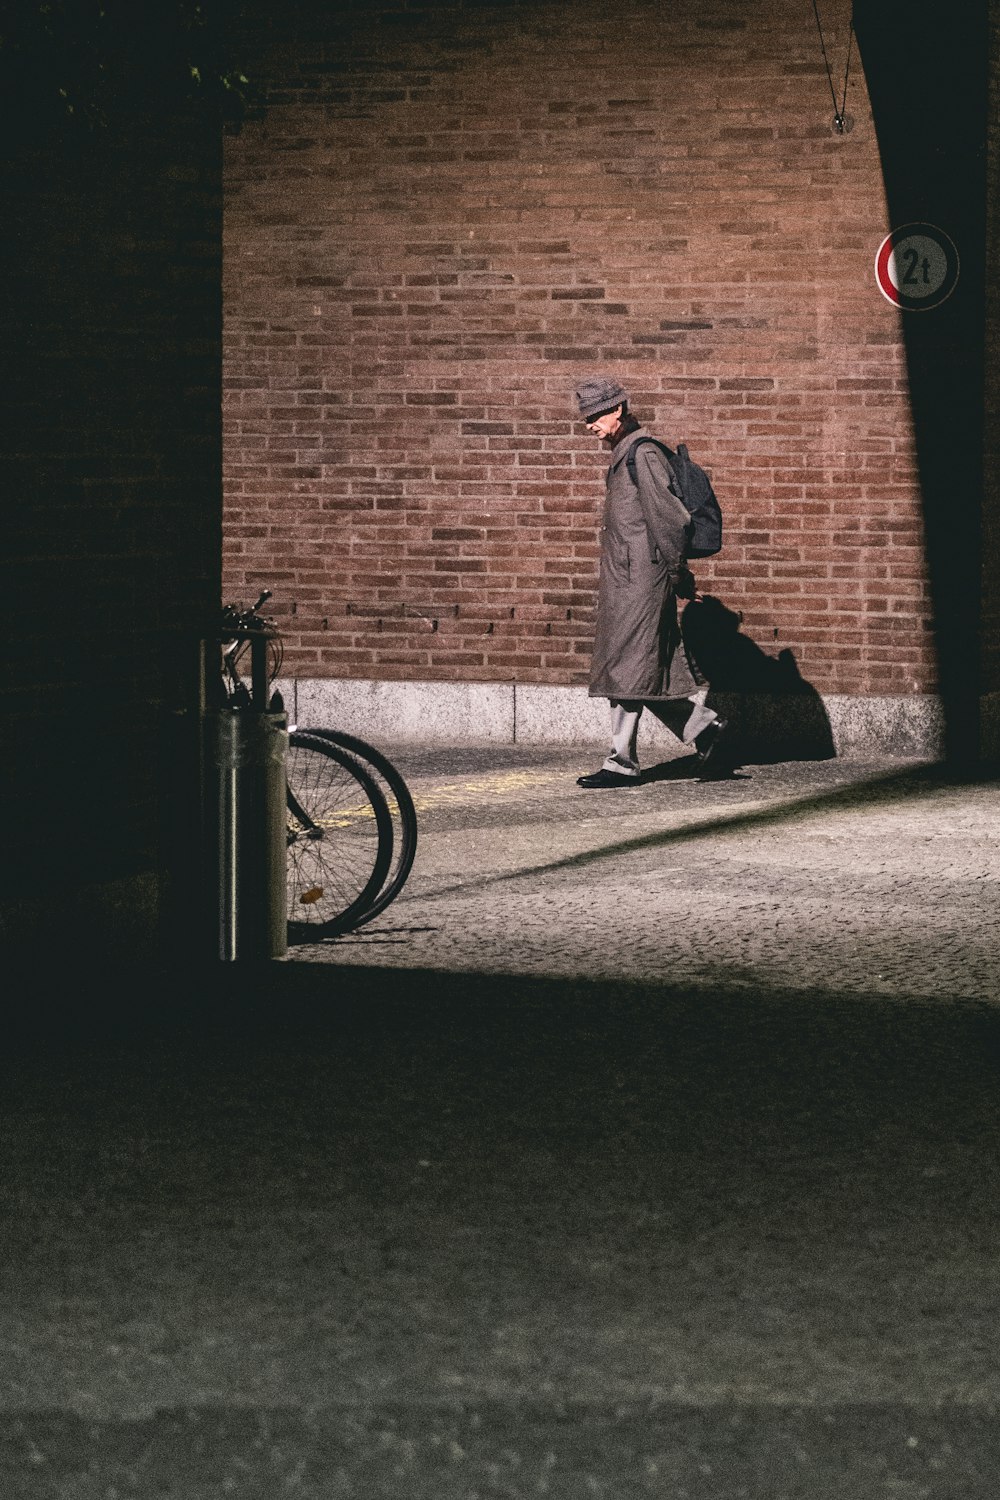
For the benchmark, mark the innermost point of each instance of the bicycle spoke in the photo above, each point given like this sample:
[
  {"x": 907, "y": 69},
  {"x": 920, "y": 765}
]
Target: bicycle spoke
[
  {"x": 339, "y": 839},
  {"x": 400, "y": 804}
]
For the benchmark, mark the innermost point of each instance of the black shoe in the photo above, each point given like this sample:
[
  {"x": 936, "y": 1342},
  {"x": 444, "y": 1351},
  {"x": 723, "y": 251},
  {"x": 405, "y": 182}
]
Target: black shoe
[
  {"x": 714, "y": 752},
  {"x": 607, "y": 779}
]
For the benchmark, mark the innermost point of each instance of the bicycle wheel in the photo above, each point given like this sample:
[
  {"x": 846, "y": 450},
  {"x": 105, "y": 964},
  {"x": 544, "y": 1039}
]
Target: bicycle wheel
[
  {"x": 339, "y": 839},
  {"x": 404, "y": 814}
]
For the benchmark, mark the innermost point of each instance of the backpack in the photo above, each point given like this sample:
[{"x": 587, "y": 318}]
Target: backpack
[{"x": 693, "y": 488}]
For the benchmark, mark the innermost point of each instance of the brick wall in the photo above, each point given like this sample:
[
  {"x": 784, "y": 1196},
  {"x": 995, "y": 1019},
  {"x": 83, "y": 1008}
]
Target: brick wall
[
  {"x": 933, "y": 164},
  {"x": 448, "y": 213}
]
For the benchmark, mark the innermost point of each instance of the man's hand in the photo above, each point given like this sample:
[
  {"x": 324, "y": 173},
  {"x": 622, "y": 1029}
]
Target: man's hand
[{"x": 686, "y": 587}]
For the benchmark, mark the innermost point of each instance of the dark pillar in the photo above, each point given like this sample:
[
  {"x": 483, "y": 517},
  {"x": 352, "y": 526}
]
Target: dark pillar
[{"x": 111, "y": 324}]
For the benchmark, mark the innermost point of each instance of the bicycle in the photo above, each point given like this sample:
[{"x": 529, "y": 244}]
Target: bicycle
[
  {"x": 352, "y": 825},
  {"x": 401, "y": 810}
]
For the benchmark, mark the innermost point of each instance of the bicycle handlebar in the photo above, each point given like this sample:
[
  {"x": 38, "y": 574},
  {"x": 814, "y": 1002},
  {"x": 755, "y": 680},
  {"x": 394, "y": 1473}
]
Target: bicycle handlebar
[
  {"x": 243, "y": 632},
  {"x": 237, "y": 622}
]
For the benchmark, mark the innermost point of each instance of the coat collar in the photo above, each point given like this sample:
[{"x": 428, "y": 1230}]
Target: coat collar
[{"x": 620, "y": 451}]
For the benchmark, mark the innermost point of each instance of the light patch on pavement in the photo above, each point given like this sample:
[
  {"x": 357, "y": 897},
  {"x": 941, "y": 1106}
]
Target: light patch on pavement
[{"x": 468, "y": 792}]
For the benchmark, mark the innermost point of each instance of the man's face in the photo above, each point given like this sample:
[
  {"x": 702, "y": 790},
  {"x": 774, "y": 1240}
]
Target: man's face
[{"x": 606, "y": 424}]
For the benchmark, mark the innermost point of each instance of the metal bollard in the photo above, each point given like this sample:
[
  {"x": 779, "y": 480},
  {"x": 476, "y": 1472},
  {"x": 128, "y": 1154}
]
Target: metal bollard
[{"x": 245, "y": 760}]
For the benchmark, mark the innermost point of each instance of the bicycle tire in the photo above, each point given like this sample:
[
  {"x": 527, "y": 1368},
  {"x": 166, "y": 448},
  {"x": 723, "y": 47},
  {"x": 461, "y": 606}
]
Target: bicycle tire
[
  {"x": 404, "y": 814},
  {"x": 339, "y": 839}
]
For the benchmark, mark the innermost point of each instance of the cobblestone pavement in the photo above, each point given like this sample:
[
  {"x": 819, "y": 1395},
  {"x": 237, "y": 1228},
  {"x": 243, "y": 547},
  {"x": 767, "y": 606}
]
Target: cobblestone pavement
[
  {"x": 647, "y": 1146},
  {"x": 877, "y": 878}
]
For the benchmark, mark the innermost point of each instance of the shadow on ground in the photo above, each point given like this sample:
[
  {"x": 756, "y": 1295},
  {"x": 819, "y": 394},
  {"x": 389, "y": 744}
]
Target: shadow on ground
[
  {"x": 422, "y": 1235},
  {"x": 908, "y": 783}
]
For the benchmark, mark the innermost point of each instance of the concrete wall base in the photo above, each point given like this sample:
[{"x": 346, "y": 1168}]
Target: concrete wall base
[{"x": 802, "y": 726}]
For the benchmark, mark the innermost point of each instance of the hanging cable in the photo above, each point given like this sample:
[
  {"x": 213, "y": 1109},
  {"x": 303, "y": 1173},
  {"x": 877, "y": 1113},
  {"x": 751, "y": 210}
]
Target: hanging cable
[{"x": 842, "y": 121}]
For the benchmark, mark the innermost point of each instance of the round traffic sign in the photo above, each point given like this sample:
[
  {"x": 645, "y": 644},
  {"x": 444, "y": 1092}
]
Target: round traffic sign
[{"x": 917, "y": 267}]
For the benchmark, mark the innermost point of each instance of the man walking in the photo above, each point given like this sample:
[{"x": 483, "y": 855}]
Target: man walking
[{"x": 639, "y": 659}]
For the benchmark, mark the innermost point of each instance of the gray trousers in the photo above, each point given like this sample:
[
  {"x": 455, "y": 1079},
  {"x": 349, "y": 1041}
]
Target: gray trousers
[{"x": 684, "y": 717}]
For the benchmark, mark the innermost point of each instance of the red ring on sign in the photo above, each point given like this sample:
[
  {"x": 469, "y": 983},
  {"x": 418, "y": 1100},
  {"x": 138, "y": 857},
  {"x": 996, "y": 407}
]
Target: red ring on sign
[
  {"x": 885, "y": 282},
  {"x": 944, "y": 244}
]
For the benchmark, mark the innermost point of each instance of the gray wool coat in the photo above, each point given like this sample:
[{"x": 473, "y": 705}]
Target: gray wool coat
[{"x": 638, "y": 651}]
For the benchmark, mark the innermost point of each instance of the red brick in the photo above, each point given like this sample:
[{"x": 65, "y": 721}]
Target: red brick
[{"x": 401, "y": 358}]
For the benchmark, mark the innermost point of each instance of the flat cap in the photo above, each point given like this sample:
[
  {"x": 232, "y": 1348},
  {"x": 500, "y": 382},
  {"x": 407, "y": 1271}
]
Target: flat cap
[{"x": 599, "y": 393}]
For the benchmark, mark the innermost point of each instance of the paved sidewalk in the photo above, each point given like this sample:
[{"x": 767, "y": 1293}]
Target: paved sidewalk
[
  {"x": 871, "y": 878},
  {"x": 647, "y": 1148}
]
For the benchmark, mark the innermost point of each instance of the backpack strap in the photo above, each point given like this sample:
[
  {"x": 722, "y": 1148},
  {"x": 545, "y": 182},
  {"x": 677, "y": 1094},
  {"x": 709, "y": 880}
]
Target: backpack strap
[{"x": 668, "y": 453}]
